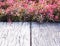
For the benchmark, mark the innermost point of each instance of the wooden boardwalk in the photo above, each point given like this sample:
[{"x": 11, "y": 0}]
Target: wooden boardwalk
[{"x": 18, "y": 34}]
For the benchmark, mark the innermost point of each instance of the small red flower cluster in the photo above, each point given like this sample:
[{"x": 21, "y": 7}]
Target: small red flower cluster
[{"x": 46, "y": 8}]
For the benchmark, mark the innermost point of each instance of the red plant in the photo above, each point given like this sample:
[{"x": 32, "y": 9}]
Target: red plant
[{"x": 44, "y": 7}]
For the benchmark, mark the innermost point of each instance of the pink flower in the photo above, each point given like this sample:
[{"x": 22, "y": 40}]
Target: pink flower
[
  {"x": 2, "y": 4},
  {"x": 27, "y": 0},
  {"x": 25, "y": 5},
  {"x": 56, "y": 17},
  {"x": 10, "y": 1},
  {"x": 41, "y": 11},
  {"x": 54, "y": 6},
  {"x": 48, "y": 6},
  {"x": 7, "y": 11},
  {"x": 51, "y": 11},
  {"x": 51, "y": 16},
  {"x": 42, "y": 1},
  {"x": 31, "y": 9}
]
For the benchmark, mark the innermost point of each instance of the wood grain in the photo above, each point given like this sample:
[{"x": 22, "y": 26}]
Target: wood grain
[
  {"x": 18, "y": 34},
  {"x": 47, "y": 34},
  {"x": 14, "y": 34}
]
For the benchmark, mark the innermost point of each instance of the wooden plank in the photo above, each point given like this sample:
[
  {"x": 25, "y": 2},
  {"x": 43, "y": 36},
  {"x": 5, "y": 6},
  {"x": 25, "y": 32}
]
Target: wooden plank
[
  {"x": 15, "y": 34},
  {"x": 47, "y": 34},
  {"x": 18, "y": 34}
]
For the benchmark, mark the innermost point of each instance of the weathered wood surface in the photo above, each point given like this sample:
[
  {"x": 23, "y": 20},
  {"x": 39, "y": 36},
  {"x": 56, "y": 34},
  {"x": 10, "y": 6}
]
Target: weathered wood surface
[
  {"x": 18, "y": 34},
  {"x": 14, "y": 34},
  {"x": 47, "y": 34}
]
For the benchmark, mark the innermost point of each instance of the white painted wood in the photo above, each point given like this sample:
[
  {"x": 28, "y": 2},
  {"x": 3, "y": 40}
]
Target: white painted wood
[
  {"x": 15, "y": 34},
  {"x": 47, "y": 34},
  {"x": 18, "y": 34}
]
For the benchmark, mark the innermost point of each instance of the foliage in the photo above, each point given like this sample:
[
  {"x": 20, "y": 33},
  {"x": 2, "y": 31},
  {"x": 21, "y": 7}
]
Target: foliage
[{"x": 31, "y": 10}]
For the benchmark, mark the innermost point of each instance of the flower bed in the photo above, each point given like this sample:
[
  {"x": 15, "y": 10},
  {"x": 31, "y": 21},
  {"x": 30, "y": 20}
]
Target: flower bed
[{"x": 41, "y": 11}]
